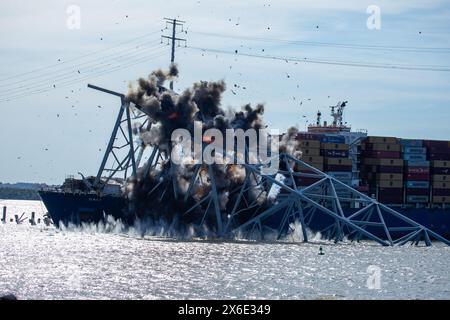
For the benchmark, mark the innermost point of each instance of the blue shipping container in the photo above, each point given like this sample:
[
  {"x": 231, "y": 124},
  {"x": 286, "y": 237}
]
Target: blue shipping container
[
  {"x": 409, "y": 150},
  {"x": 417, "y": 163},
  {"x": 415, "y": 156},
  {"x": 415, "y": 199},
  {"x": 418, "y": 184},
  {"x": 411, "y": 142},
  {"x": 332, "y": 139}
]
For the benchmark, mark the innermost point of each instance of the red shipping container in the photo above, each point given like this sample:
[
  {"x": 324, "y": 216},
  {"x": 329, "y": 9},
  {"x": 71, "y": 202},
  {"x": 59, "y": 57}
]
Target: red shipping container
[
  {"x": 435, "y": 144},
  {"x": 337, "y": 167},
  {"x": 419, "y": 170},
  {"x": 389, "y": 169},
  {"x": 438, "y": 149},
  {"x": 390, "y": 191},
  {"x": 441, "y": 192},
  {"x": 417, "y": 192},
  {"x": 417, "y": 177},
  {"x": 381, "y": 154},
  {"x": 440, "y": 170},
  {"x": 390, "y": 199},
  {"x": 306, "y": 181},
  {"x": 439, "y": 156}
]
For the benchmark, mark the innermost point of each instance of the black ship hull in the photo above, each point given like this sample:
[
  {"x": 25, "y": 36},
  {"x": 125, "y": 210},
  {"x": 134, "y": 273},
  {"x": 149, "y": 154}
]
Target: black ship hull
[{"x": 75, "y": 208}]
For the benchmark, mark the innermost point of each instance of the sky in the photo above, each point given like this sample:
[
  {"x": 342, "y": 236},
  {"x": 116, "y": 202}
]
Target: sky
[{"x": 52, "y": 125}]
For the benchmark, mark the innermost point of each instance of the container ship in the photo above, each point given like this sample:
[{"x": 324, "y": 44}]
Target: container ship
[{"x": 410, "y": 176}]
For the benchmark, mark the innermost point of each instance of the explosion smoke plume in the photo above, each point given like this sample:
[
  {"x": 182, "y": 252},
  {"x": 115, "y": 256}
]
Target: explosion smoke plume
[{"x": 160, "y": 192}]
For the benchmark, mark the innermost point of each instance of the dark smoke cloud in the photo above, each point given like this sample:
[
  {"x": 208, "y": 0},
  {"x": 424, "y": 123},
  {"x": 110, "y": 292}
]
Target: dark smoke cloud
[{"x": 154, "y": 195}]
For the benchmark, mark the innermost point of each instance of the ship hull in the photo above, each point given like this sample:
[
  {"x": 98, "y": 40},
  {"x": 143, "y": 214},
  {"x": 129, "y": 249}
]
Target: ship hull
[{"x": 77, "y": 208}]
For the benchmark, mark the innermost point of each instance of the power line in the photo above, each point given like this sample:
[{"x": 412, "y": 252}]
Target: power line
[
  {"x": 79, "y": 57},
  {"x": 332, "y": 62},
  {"x": 329, "y": 44},
  {"x": 74, "y": 72},
  {"x": 68, "y": 83}
]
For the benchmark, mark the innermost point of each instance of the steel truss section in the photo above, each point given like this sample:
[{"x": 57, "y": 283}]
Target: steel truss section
[{"x": 350, "y": 214}]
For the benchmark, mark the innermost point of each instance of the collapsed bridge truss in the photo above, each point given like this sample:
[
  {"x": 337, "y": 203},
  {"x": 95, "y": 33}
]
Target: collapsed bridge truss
[{"x": 327, "y": 205}]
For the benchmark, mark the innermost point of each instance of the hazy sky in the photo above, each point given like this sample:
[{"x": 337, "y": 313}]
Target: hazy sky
[{"x": 59, "y": 131}]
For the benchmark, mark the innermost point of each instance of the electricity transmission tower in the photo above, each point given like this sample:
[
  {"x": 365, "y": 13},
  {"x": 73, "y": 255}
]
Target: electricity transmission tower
[{"x": 174, "y": 23}]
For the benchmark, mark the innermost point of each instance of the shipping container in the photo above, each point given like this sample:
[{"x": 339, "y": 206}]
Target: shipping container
[
  {"x": 334, "y": 153},
  {"x": 440, "y": 199},
  {"x": 440, "y": 170},
  {"x": 416, "y": 163},
  {"x": 380, "y": 147},
  {"x": 441, "y": 185},
  {"x": 441, "y": 192},
  {"x": 435, "y": 144},
  {"x": 390, "y": 199},
  {"x": 311, "y": 159},
  {"x": 411, "y": 142},
  {"x": 308, "y": 136},
  {"x": 440, "y": 164},
  {"x": 417, "y": 192},
  {"x": 420, "y": 150},
  {"x": 315, "y": 144},
  {"x": 327, "y": 138},
  {"x": 375, "y": 139},
  {"x": 389, "y": 176},
  {"x": 383, "y": 162},
  {"x": 317, "y": 165},
  {"x": 306, "y": 181},
  {"x": 333, "y": 167},
  {"x": 338, "y": 161},
  {"x": 417, "y": 184},
  {"x": 381, "y": 154},
  {"x": 417, "y": 176},
  {"x": 389, "y": 184},
  {"x": 419, "y": 170},
  {"x": 334, "y": 146},
  {"x": 440, "y": 177},
  {"x": 311, "y": 151},
  {"x": 438, "y": 150},
  {"x": 415, "y": 156},
  {"x": 389, "y": 190},
  {"x": 439, "y": 156},
  {"x": 417, "y": 199}
]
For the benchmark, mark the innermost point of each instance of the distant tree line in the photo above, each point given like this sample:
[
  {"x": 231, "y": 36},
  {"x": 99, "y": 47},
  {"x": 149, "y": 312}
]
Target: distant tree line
[{"x": 18, "y": 194}]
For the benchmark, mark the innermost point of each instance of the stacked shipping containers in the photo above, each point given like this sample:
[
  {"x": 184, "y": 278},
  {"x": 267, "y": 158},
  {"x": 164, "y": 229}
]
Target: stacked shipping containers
[
  {"x": 439, "y": 156},
  {"x": 382, "y": 168},
  {"x": 310, "y": 146},
  {"x": 337, "y": 163},
  {"x": 417, "y": 171},
  {"x": 397, "y": 171}
]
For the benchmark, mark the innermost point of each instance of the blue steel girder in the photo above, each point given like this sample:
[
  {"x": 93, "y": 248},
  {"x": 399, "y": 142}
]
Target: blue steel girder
[{"x": 324, "y": 191}]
